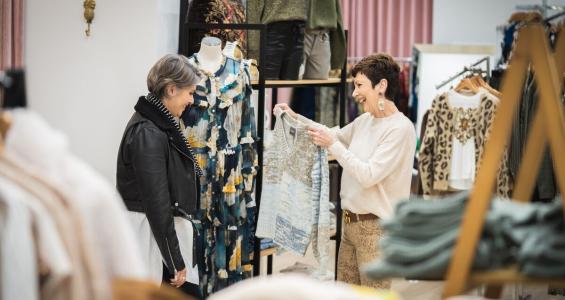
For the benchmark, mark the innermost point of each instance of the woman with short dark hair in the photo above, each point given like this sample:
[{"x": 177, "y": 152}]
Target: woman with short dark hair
[
  {"x": 376, "y": 152},
  {"x": 157, "y": 175}
]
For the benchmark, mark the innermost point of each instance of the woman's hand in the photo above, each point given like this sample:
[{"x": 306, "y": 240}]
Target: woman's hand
[
  {"x": 321, "y": 136},
  {"x": 180, "y": 278},
  {"x": 284, "y": 107}
]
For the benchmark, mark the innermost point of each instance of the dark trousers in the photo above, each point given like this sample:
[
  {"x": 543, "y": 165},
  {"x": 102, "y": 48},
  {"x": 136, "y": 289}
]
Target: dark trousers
[
  {"x": 187, "y": 288},
  {"x": 285, "y": 49}
]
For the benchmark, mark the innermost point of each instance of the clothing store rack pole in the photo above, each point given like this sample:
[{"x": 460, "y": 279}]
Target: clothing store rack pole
[
  {"x": 261, "y": 135},
  {"x": 260, "y": 111},
  {"x": 466, "y": 69},
  {"x": 342, "y": 112},
  {"x": 274, "y": 101}
]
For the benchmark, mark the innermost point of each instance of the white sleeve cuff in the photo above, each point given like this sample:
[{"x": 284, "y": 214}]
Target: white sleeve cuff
[{"x": 337, "y": 149}]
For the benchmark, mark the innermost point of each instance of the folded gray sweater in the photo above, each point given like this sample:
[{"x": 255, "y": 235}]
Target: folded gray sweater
[{"x": 419, "y": 240}]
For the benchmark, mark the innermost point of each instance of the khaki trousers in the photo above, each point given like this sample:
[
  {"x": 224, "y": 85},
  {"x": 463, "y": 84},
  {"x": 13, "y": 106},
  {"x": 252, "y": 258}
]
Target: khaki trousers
[{"x": 359, "y": 246}]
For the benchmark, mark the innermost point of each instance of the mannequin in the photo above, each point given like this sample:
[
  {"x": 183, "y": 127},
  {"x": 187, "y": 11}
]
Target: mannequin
[
  {"x": 210, "y": 57},
  {"x": 221, "y": 128}
]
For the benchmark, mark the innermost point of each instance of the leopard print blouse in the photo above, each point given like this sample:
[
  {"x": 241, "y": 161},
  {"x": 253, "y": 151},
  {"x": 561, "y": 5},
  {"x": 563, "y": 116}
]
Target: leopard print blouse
[{"x": 435, "y": 152}]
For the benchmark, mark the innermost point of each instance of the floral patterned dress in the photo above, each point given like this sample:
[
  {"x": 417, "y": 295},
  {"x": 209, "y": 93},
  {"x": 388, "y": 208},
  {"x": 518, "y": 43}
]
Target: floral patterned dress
[{"x": 220, "y": 127}]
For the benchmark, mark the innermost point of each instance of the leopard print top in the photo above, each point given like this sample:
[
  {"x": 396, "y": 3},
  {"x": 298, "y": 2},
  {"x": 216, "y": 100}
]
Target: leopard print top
[{"x": 435, "y": 152}]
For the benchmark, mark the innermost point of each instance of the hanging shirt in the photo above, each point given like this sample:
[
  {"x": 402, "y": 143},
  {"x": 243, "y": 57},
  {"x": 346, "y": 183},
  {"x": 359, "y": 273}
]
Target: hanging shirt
[
  {"x": 462, "y": 170},
  {"x": 446, "y": 125},
  {"x": 294, "y": 210}
]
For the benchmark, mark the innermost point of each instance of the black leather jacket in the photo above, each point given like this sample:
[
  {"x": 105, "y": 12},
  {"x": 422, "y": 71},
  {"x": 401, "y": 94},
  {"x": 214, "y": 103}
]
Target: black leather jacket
[{"x": 156, "y": 175}]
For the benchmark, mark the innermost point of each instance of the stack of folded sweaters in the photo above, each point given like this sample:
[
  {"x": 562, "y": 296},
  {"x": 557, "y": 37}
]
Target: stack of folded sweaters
[{"x": 419, "y": 240}]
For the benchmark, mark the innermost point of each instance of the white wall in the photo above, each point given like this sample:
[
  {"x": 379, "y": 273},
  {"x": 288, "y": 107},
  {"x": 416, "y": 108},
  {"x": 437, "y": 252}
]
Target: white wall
[
  {"x": 466, "y": 22},
  {"x": 87, "y": 86}
]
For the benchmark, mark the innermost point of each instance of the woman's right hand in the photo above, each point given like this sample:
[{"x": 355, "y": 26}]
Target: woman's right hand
[
  {"x": 180, "y": 278},
  {"x": 284, "y": 107}
]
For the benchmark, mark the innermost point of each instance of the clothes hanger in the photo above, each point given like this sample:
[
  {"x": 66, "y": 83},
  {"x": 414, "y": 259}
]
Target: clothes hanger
[
  {"x": 479, "y": 81},
  {"x": 466, "y": 86}
]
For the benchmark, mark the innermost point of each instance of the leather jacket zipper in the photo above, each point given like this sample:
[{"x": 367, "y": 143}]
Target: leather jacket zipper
[
  {"x": 192, "y": 160},
  {"x": 196, "y": 189}
]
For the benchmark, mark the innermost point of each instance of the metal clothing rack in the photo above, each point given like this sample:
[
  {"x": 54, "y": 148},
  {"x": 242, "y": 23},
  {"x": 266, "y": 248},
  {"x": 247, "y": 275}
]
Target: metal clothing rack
[
  {"x": 261, "y": 85},
  {"x": 553, "y": 17},
  {"x": 470, "y": 68},
  {"x": 543, "y": 8}
]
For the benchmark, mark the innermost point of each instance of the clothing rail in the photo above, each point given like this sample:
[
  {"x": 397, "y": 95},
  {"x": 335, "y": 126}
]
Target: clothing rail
[
  {"x": 555, "y": 16},
  {"x": 543, "y": 8},
  {"x": 469, "y": 69}
]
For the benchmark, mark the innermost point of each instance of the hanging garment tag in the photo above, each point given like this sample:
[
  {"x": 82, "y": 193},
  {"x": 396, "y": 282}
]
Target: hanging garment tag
[{"x": 292, "y": 131}]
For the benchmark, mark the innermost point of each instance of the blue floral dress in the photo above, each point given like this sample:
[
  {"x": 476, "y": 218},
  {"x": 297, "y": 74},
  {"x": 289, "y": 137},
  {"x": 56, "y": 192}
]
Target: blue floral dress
[{"x": 220, "y": 126}]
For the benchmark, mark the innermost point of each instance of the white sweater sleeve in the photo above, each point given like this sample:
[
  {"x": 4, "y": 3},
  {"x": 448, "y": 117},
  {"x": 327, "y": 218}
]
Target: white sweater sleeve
[
  {"x": 344, "y": 134},
  {"x": 382, "y": 162}
]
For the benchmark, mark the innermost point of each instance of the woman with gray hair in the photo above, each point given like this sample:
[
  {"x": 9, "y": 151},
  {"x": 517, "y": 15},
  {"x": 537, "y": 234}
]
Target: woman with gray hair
[{"x": 158, "y": 175}]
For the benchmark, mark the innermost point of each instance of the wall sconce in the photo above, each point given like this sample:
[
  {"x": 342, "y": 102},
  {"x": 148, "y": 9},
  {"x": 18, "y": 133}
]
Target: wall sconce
[{"x": 89, "y": 6}]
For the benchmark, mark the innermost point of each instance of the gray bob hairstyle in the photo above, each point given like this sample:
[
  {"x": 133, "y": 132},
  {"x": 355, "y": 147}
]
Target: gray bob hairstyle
[{"x": 171, "y": 69}]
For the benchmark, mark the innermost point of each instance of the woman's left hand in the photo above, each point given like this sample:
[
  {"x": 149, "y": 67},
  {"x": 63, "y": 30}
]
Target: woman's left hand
[{"x": 321, "y": 136}]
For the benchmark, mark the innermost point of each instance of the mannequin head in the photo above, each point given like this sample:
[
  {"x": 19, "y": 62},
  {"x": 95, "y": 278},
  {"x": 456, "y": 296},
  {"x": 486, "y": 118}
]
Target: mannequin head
[
  {"x": 210, "y": 55},
  {"x": 211, "y": 41}
]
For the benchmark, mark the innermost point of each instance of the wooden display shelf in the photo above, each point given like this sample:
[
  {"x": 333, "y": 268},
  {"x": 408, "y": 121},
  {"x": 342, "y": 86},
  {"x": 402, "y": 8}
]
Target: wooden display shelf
[
  {"x": 266, "y": 252},
  {"x": 296, "y": 83},
  {"x": 269, "y": 251},
  {"x": 511, "y": 275}
]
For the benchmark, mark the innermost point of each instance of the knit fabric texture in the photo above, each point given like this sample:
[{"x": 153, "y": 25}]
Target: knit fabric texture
[{"x": 294, "y": 209}]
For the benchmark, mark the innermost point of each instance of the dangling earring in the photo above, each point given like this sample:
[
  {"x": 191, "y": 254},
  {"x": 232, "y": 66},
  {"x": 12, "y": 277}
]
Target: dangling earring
[{"x": 381, "y": 102}]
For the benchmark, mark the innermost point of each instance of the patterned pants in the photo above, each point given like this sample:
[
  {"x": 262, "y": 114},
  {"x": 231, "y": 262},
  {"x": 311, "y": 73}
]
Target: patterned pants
[{"x": 359, "y": 246}]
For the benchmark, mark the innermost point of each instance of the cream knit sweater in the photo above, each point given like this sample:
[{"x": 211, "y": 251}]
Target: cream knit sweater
[{"x": 377, "y": 155}]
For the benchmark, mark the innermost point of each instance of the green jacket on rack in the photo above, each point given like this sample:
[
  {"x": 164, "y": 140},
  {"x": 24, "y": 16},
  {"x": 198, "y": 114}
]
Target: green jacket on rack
[{"x": 326, "y": 14}]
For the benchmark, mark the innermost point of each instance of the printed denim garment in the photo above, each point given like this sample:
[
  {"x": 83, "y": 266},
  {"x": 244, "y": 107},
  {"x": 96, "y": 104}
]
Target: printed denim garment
[{"x": 220, "y": 126}]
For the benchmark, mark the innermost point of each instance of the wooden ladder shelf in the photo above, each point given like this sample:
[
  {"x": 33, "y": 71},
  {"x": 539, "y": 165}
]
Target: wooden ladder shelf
[{"x": 548, "y": 127}]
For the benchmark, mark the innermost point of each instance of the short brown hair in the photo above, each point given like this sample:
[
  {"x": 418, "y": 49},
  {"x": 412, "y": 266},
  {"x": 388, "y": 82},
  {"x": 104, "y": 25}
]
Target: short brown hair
[
  {"x": 380, "y": 66},
  {"x": 171, "y": 69}
]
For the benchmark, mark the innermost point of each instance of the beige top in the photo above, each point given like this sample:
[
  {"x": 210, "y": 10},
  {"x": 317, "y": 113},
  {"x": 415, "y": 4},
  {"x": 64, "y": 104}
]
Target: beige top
[{"x": 377, "y": 155}]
